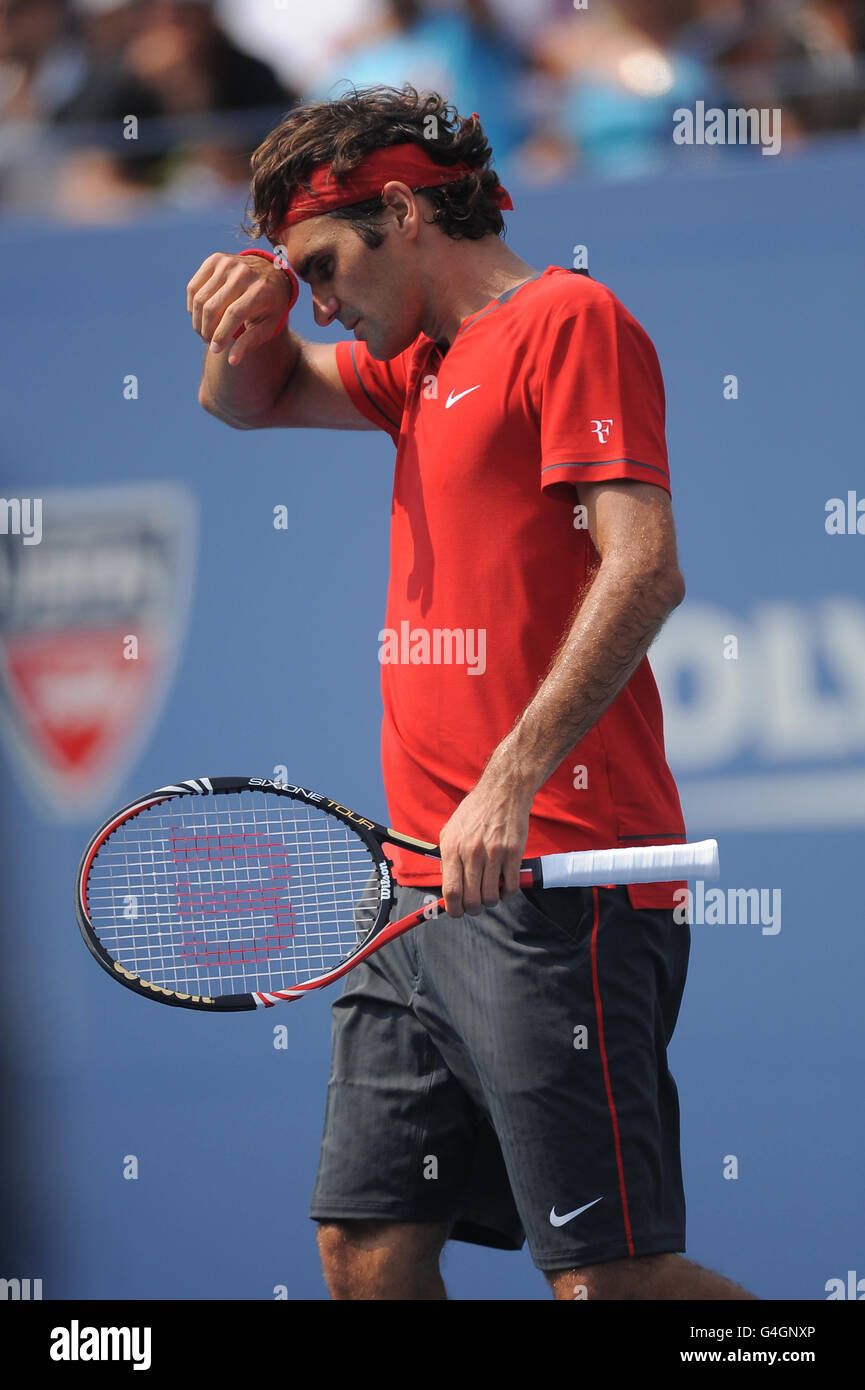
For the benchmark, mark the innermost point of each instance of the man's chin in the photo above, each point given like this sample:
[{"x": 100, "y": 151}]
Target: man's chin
[
  {"x": 380, "y": 352},
  {"x": 383, "y": 350}
]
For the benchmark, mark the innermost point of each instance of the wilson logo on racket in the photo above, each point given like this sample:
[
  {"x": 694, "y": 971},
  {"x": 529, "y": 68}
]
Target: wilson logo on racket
[{"x": 234, "y": 893}]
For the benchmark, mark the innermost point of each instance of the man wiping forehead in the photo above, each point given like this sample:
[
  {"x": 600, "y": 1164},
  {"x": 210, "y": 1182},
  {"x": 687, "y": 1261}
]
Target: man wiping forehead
[
  {"x": 531, "y": 504},
  {"x": 424, "y": 281}
]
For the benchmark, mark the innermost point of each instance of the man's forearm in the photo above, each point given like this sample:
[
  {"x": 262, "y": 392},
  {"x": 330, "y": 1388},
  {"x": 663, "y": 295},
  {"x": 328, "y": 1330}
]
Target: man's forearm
[
  {"x": 240, "y": 393},
  {"x": 618, "y": 618}
]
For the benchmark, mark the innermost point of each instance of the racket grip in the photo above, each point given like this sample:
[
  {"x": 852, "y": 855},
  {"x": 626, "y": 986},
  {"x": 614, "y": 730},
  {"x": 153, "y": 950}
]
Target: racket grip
[{"x": 638, "y": 864}]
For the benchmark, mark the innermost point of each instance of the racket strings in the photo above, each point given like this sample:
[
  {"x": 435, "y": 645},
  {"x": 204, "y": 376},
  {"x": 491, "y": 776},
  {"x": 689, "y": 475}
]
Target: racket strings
[{"x": 235, "y": 892}]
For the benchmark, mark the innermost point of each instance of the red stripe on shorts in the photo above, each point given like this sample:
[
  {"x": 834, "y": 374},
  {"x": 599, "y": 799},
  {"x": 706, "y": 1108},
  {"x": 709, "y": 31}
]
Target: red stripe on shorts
[{"x": 605, "y": 1064}]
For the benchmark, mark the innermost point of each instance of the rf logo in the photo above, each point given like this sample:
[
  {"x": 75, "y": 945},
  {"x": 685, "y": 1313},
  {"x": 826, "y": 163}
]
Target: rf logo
[{"x": 602, "y": 429}]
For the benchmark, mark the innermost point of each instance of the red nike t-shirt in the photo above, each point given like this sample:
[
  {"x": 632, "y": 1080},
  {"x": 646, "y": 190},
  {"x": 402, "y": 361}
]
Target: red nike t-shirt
[{"x": 552, "y": 384}]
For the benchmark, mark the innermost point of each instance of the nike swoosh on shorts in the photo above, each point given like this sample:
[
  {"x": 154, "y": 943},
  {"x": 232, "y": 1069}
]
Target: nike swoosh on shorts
[{"x": 569, "y": 1216}]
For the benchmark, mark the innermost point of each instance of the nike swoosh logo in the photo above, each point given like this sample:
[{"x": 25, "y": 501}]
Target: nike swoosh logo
[
  {"x": 452, "y": 399},
  {"x": 569, "y": 1216}
]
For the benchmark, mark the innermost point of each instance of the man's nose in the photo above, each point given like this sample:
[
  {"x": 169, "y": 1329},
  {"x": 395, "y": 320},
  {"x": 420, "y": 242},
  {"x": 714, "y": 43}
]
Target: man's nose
[{"x": 325, "y": 310}]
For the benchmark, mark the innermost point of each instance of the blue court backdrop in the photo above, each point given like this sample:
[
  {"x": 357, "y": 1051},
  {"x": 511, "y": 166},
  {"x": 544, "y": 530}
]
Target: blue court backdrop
[{"x": 752, "y": 271}]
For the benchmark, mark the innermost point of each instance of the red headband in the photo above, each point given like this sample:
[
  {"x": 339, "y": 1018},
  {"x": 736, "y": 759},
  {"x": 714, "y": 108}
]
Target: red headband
[{"x": 408, "y": 162}]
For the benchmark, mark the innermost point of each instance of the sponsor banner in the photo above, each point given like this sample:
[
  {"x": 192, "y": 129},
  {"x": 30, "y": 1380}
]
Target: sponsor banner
[
  {"x": 91, "y": 620},
  {"x": 764, "y": 713}
]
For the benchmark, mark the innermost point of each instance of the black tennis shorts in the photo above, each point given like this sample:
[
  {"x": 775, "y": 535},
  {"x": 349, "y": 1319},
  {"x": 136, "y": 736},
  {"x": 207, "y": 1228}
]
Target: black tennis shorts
[{"x": 507, "y": 1073}]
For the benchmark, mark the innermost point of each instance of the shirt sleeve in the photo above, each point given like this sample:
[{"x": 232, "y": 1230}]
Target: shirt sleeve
[
  {"x": 377, "y": 389},
  {"x": 602, "y": 400}
]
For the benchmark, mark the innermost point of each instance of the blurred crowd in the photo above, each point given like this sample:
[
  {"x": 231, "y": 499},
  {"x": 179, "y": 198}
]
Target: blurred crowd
[{"x": 107, "y": 106}]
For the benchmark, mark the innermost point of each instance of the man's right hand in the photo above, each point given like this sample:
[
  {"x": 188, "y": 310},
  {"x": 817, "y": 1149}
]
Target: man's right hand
[{"x": 239, "y": 302}]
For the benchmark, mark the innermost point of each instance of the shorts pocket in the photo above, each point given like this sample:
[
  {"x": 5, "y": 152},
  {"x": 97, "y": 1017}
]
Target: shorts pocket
[{"x": 566, "y": 912}]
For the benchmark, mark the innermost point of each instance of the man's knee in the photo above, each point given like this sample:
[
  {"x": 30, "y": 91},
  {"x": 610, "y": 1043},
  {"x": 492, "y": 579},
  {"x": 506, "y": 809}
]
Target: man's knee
[
  {"x": 628, "y": 1278},
  {"x": 360, "y": 1258}
]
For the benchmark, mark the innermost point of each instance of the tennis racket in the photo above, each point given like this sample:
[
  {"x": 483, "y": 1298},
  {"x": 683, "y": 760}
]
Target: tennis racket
[{"x": 229, "y": 893}]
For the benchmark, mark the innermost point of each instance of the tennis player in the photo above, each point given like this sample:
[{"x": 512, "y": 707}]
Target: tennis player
[{"x": 500, "y": 1073}]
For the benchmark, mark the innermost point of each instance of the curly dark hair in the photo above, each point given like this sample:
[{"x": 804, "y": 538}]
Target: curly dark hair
[{"x": 345, "y": 130}]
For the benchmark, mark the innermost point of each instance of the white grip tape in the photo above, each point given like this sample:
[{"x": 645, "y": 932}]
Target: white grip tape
[{"x": 640, "y": 864}]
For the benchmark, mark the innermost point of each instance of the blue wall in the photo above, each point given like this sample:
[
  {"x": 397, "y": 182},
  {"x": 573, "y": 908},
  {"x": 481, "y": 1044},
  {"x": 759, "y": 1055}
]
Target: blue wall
[{"x": 754, "y": 271}]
